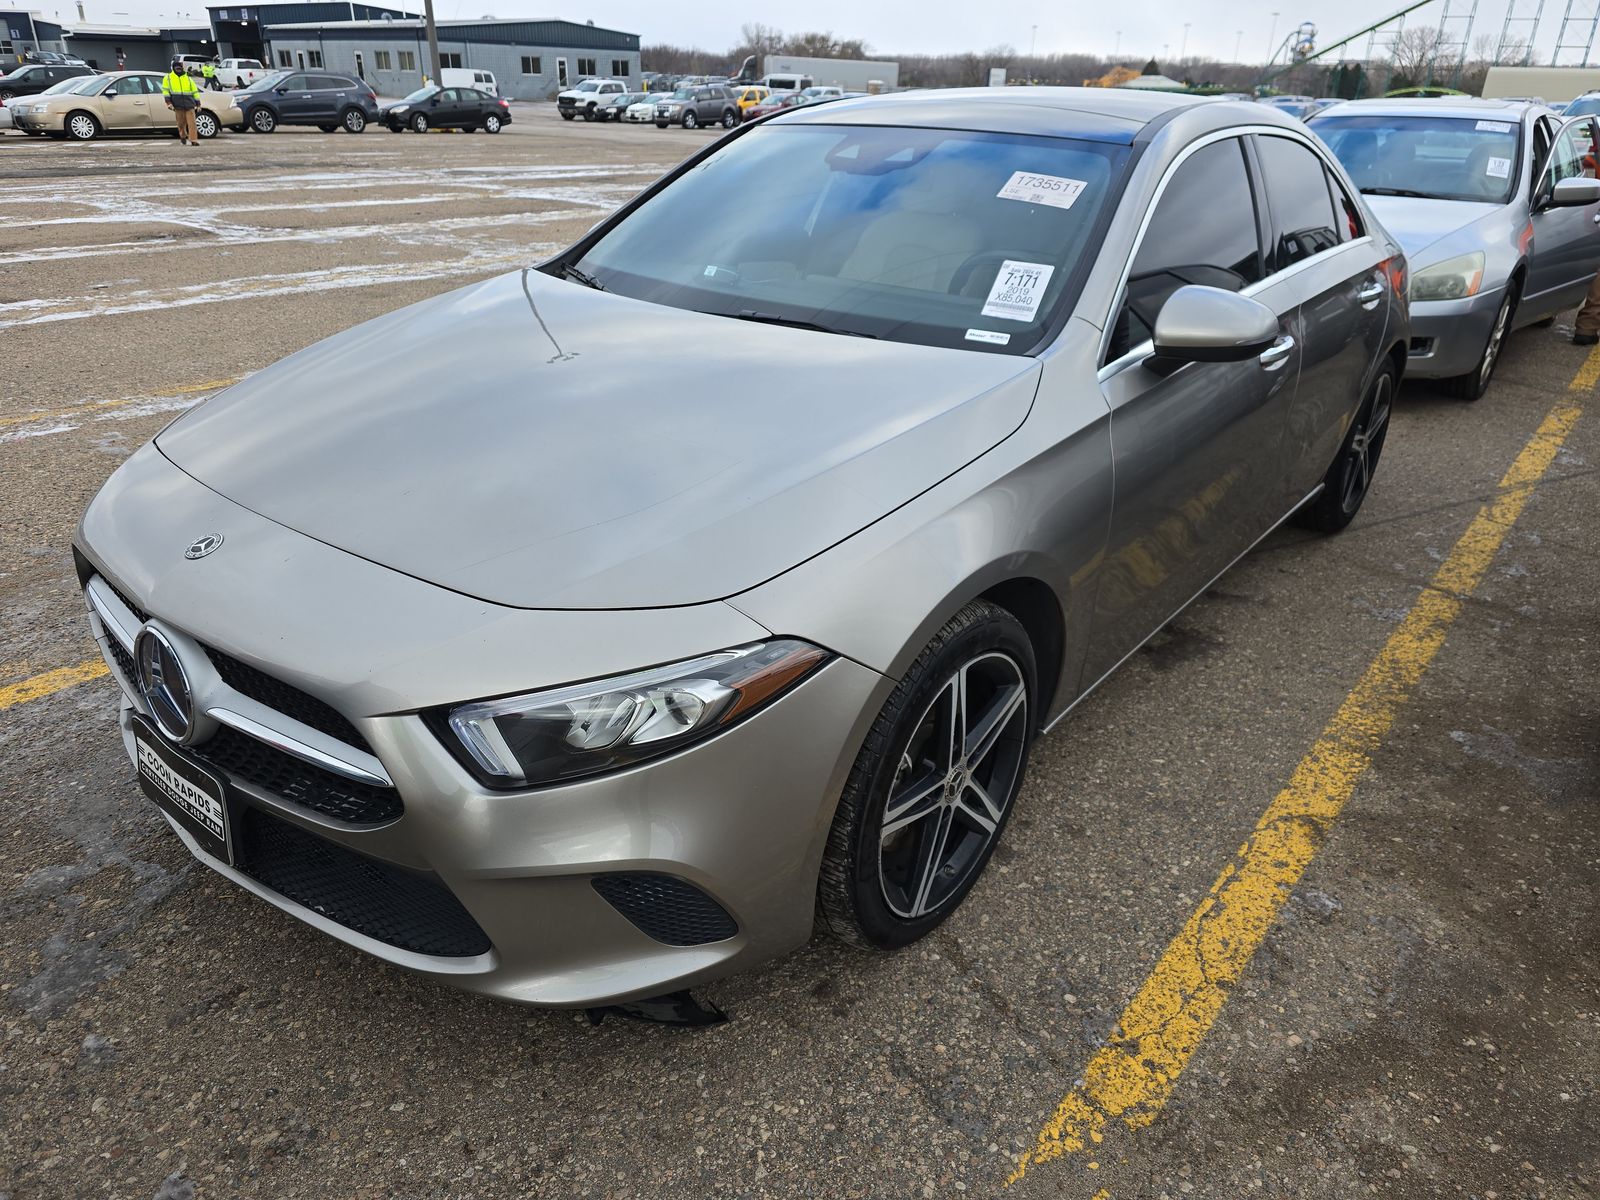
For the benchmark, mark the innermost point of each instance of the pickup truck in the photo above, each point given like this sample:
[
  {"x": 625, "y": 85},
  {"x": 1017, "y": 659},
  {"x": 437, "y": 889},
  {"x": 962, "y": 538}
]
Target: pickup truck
[
  {"x": 240, "y": 72},
  {"x": 581, "y": 100}
]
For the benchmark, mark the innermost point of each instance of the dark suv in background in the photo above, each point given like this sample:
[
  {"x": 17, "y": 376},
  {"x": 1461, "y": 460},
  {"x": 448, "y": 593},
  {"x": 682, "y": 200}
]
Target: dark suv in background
[
  {"x": 692, "y": 107},
  {"x": 33, "y": 78},
  {"x": 317, "y": 98}
]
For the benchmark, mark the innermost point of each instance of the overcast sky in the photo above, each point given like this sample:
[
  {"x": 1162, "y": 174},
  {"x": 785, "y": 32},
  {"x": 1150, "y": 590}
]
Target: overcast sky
[{"x": 931, "y": 26}]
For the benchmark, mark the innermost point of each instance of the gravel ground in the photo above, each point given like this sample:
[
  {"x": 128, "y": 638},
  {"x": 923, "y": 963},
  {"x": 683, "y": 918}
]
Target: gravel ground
[{"x": 1424, "y": 1019}]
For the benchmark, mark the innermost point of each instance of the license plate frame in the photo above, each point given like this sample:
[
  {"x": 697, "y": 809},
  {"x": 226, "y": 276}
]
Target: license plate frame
[{"x": 192, "y": 795}]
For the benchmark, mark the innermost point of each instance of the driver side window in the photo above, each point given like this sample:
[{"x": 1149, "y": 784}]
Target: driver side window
[{"x": 1203, "y": 231}]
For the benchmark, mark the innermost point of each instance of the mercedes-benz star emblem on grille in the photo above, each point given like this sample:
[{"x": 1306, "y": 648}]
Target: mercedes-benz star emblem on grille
[
  {"x": 203, "y": 546},
  {"x": 164, "y": 684}
]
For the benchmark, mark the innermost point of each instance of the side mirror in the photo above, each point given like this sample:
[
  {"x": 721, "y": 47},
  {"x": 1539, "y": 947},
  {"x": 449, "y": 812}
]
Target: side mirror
[
  {"x": 1574, "y": 193},
  {"x": 1207, "y": 324}
]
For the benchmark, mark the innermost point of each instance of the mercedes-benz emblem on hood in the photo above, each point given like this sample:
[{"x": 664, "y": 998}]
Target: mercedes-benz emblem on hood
[{"x": 203, "y": 545}]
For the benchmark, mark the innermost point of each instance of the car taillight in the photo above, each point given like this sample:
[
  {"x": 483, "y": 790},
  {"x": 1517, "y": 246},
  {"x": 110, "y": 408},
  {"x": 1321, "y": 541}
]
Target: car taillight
[{"x": 505, "y": 104}]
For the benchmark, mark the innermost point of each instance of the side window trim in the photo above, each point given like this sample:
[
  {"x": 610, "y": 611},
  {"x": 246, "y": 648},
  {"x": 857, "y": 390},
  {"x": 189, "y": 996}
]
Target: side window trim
[
  {"x": 1119, "y": 295},
  {"x": 1141, "y": 351}
]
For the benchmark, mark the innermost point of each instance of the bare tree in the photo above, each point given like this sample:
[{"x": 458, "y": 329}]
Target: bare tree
[
  {"x": 1414, "y": 56},
  {"x": 758, "y": 39}
]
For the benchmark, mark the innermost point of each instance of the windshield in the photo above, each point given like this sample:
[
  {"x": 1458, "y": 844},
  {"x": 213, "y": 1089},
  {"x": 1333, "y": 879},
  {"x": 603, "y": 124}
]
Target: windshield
[
  {"x": 1583, "y": 106},
  {"x": 76, "y": 86},
  {"x": 421, "y": 94},
  {"x": 930, "y": 236},
  {"x": 1441, "y": 158},
  {"x": 682, "y": 94},
  {"x": 588, "y": 85},
  {"x": 267, "y": 82}
]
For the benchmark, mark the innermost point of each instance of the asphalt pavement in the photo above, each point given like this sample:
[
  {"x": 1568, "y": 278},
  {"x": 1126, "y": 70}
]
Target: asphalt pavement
[{"x": 1409, "y": 1008}]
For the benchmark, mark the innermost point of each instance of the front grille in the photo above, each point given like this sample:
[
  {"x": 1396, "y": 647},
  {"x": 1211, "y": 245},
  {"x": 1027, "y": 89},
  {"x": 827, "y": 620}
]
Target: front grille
[
  {"x": 392, "y": 905},
  {"x": 666, "y": 908},
  {"x": 123, "y": 659},
  {"x": 242, "y": 757},
  {"x": 290, "y": 701}
]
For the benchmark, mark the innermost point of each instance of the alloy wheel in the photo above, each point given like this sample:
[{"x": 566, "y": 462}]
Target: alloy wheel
[
  {"x": 81, "y": 126},
  {"x": 957, "y": 777},
  {"x": 1497, "y": 335},
  {"x": 355, "y": 121},
  {"x": 1366, "y": 445}
]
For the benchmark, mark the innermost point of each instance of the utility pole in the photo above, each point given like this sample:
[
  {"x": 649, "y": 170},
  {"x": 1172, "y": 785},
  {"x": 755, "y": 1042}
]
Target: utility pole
[
  {"x": 1033, "y": 39},
  {"x": 1272, "y": 38},
  {"x": 433, "y": 41},
  {"x": 1184, "y": 52},
  {"x": 1118, "y": 51},
  {"x": 1238, "y": 40}
]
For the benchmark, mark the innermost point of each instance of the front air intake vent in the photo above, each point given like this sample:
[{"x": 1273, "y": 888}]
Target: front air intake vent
[{"x": 666, "y": 908}]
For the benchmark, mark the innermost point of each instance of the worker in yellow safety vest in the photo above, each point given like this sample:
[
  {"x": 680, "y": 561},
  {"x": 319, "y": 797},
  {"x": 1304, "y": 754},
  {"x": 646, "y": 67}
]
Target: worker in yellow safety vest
[
  {"x": 209, "y": 72},
  {"x": 182, "y": 97}
]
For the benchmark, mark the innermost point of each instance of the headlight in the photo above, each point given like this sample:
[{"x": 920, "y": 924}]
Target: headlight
[
  {"x": 544, "y": 737},
  {"x": 1453, "y": 279},
  {"x": 400, "y": 108}
]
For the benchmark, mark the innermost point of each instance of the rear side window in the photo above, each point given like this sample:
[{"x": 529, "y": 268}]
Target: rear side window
[
  {"x": 1203, "y": 231},
  {"x": 1348, "y": 224},
  {"x": 1297, "y": 196}
]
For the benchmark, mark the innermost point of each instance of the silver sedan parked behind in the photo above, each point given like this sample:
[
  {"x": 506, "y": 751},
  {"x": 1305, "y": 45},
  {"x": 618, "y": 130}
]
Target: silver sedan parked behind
[
  {"x": 1489, "y": 199},
  {"x": 450, "y": 638}
]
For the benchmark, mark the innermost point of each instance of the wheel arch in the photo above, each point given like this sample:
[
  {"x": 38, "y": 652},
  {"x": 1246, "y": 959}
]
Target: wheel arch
[{"x": 1033, "y": 603}]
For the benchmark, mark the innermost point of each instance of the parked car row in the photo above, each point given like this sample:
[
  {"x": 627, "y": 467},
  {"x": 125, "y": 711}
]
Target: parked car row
[
  {"x": 87, "y": 106},
  {"x": 688, "y": 106}
]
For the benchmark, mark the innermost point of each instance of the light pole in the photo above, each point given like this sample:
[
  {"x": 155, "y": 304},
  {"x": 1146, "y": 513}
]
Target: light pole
[
  {"x": 1184, "y": 50},
  {"x": 1238, "y": 39},
  {"x": 1118, "y": 51},
  {"x": 1033, "y": 38},
  {"x": 1272, "y": 37}
]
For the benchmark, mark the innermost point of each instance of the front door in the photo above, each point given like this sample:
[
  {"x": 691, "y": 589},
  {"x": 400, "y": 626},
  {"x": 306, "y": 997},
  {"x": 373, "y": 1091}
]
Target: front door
[
  {"x": 1566, "y": 242},
  {"x": 561, "y": 73},
  {"x": 361, "y": 66},
  {"x": 160, "y": 116},
  {"x": 295, "y": 102},
  {"x": 1316, "y": 231},
  {"x": 1195, "y": 448},
  {"x": 125, "y": 104}
]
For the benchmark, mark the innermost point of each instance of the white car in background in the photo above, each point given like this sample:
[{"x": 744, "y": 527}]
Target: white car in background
[{"x": 643, "y": 112}]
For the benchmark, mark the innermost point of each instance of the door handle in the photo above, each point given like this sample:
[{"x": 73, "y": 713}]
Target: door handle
[
  {"x": 1370, "y": 295},
  {"x": 1275, "y": 355}
]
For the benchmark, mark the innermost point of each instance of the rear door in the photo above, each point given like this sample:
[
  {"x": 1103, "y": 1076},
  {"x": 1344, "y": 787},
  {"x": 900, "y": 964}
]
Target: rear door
[
  {"x": 1566, "y": 241},
  {"x": 1316, "y": 237},
  {"x": 1196, "y": 448}
]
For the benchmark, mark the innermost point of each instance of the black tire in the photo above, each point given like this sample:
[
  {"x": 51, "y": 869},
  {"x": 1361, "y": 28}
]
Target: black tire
[
  {"x": 690, "y": 121},
  {"x": 263, "y": 120},
  {"x": 418, "y": 123},
  {"x": 730, "y": 118},
  {"x": 662, "y": 124},
  {"x": 353, "y": 120},
  {"x": 328, "y": 128},
  {"x": 491, "y": 124},
  {"x": 876, "y": 888},
  {"x": 206, "y": 125},
  {"x": 1475, "y": 382},
  {"x": 81, "y": 126},
  {"x": 7, "y": 94},
  {"x": 1349, "y": 479},
  {"x": 588, "y": 112},
  {"x": 566, "y": 114}
]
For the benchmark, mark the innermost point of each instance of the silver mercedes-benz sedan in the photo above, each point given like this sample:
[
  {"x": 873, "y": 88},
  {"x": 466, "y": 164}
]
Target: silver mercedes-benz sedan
[
  {"x": 599, "y": 629},
  {"x": 1490, "y": 201}
]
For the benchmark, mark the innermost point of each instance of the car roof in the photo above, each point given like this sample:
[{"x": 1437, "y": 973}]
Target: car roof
[
  {"x": 1454, "y": 106},
  {"x": 1099, "y": 114}
]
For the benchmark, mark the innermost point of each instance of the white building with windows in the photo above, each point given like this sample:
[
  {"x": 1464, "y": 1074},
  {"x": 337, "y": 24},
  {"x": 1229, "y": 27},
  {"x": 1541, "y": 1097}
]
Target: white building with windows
[{"x": 531, "y": 60}]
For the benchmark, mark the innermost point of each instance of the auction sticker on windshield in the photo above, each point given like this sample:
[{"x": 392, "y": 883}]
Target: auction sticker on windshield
[
  {"x": 1018, "y": 288},
  {"x": 1497, "y": 168},
  {"x": 1055, "y": 190}
]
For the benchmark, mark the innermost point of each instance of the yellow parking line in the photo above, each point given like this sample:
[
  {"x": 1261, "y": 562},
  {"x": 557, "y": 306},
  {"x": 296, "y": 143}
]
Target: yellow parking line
[
  {"x": 214, "y": 385},
  {"x": 1131, "y": 1077},
  {"x": 51, "y": 682}
]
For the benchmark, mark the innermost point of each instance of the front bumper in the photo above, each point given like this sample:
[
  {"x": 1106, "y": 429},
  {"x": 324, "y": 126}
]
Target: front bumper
[
  {"x": 1448, "y": 336},
  {"x": 741, "y": 818},
  {"x": 49, "y": 122}
]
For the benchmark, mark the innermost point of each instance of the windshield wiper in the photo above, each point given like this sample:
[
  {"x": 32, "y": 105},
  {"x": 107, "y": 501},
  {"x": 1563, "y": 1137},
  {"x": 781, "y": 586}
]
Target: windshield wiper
[
  {"x": 568, "y": 271},
  {"x": 1387, "y": 191},
  {"x": 750, "y": 314}
]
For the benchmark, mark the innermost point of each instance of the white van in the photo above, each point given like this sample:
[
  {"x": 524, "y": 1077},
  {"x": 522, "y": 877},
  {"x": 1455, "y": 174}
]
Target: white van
[
  {"x": 786, "y": 83},
  {"x": 469, "y": 77}
]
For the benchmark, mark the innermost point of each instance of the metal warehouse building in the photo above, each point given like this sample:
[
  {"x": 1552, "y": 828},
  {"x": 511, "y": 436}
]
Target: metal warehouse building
[
  {"x": 22, "y": 30},
  {"x": 531, "y": 59},
  {"x": 141, "y": 48},
  {"x": 239, "y": 32}
]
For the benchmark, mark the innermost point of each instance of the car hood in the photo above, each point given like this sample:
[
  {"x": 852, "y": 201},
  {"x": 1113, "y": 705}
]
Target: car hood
[
  {"x": 536, "y": 443},
  {"x": 1417, "y": 224}
]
